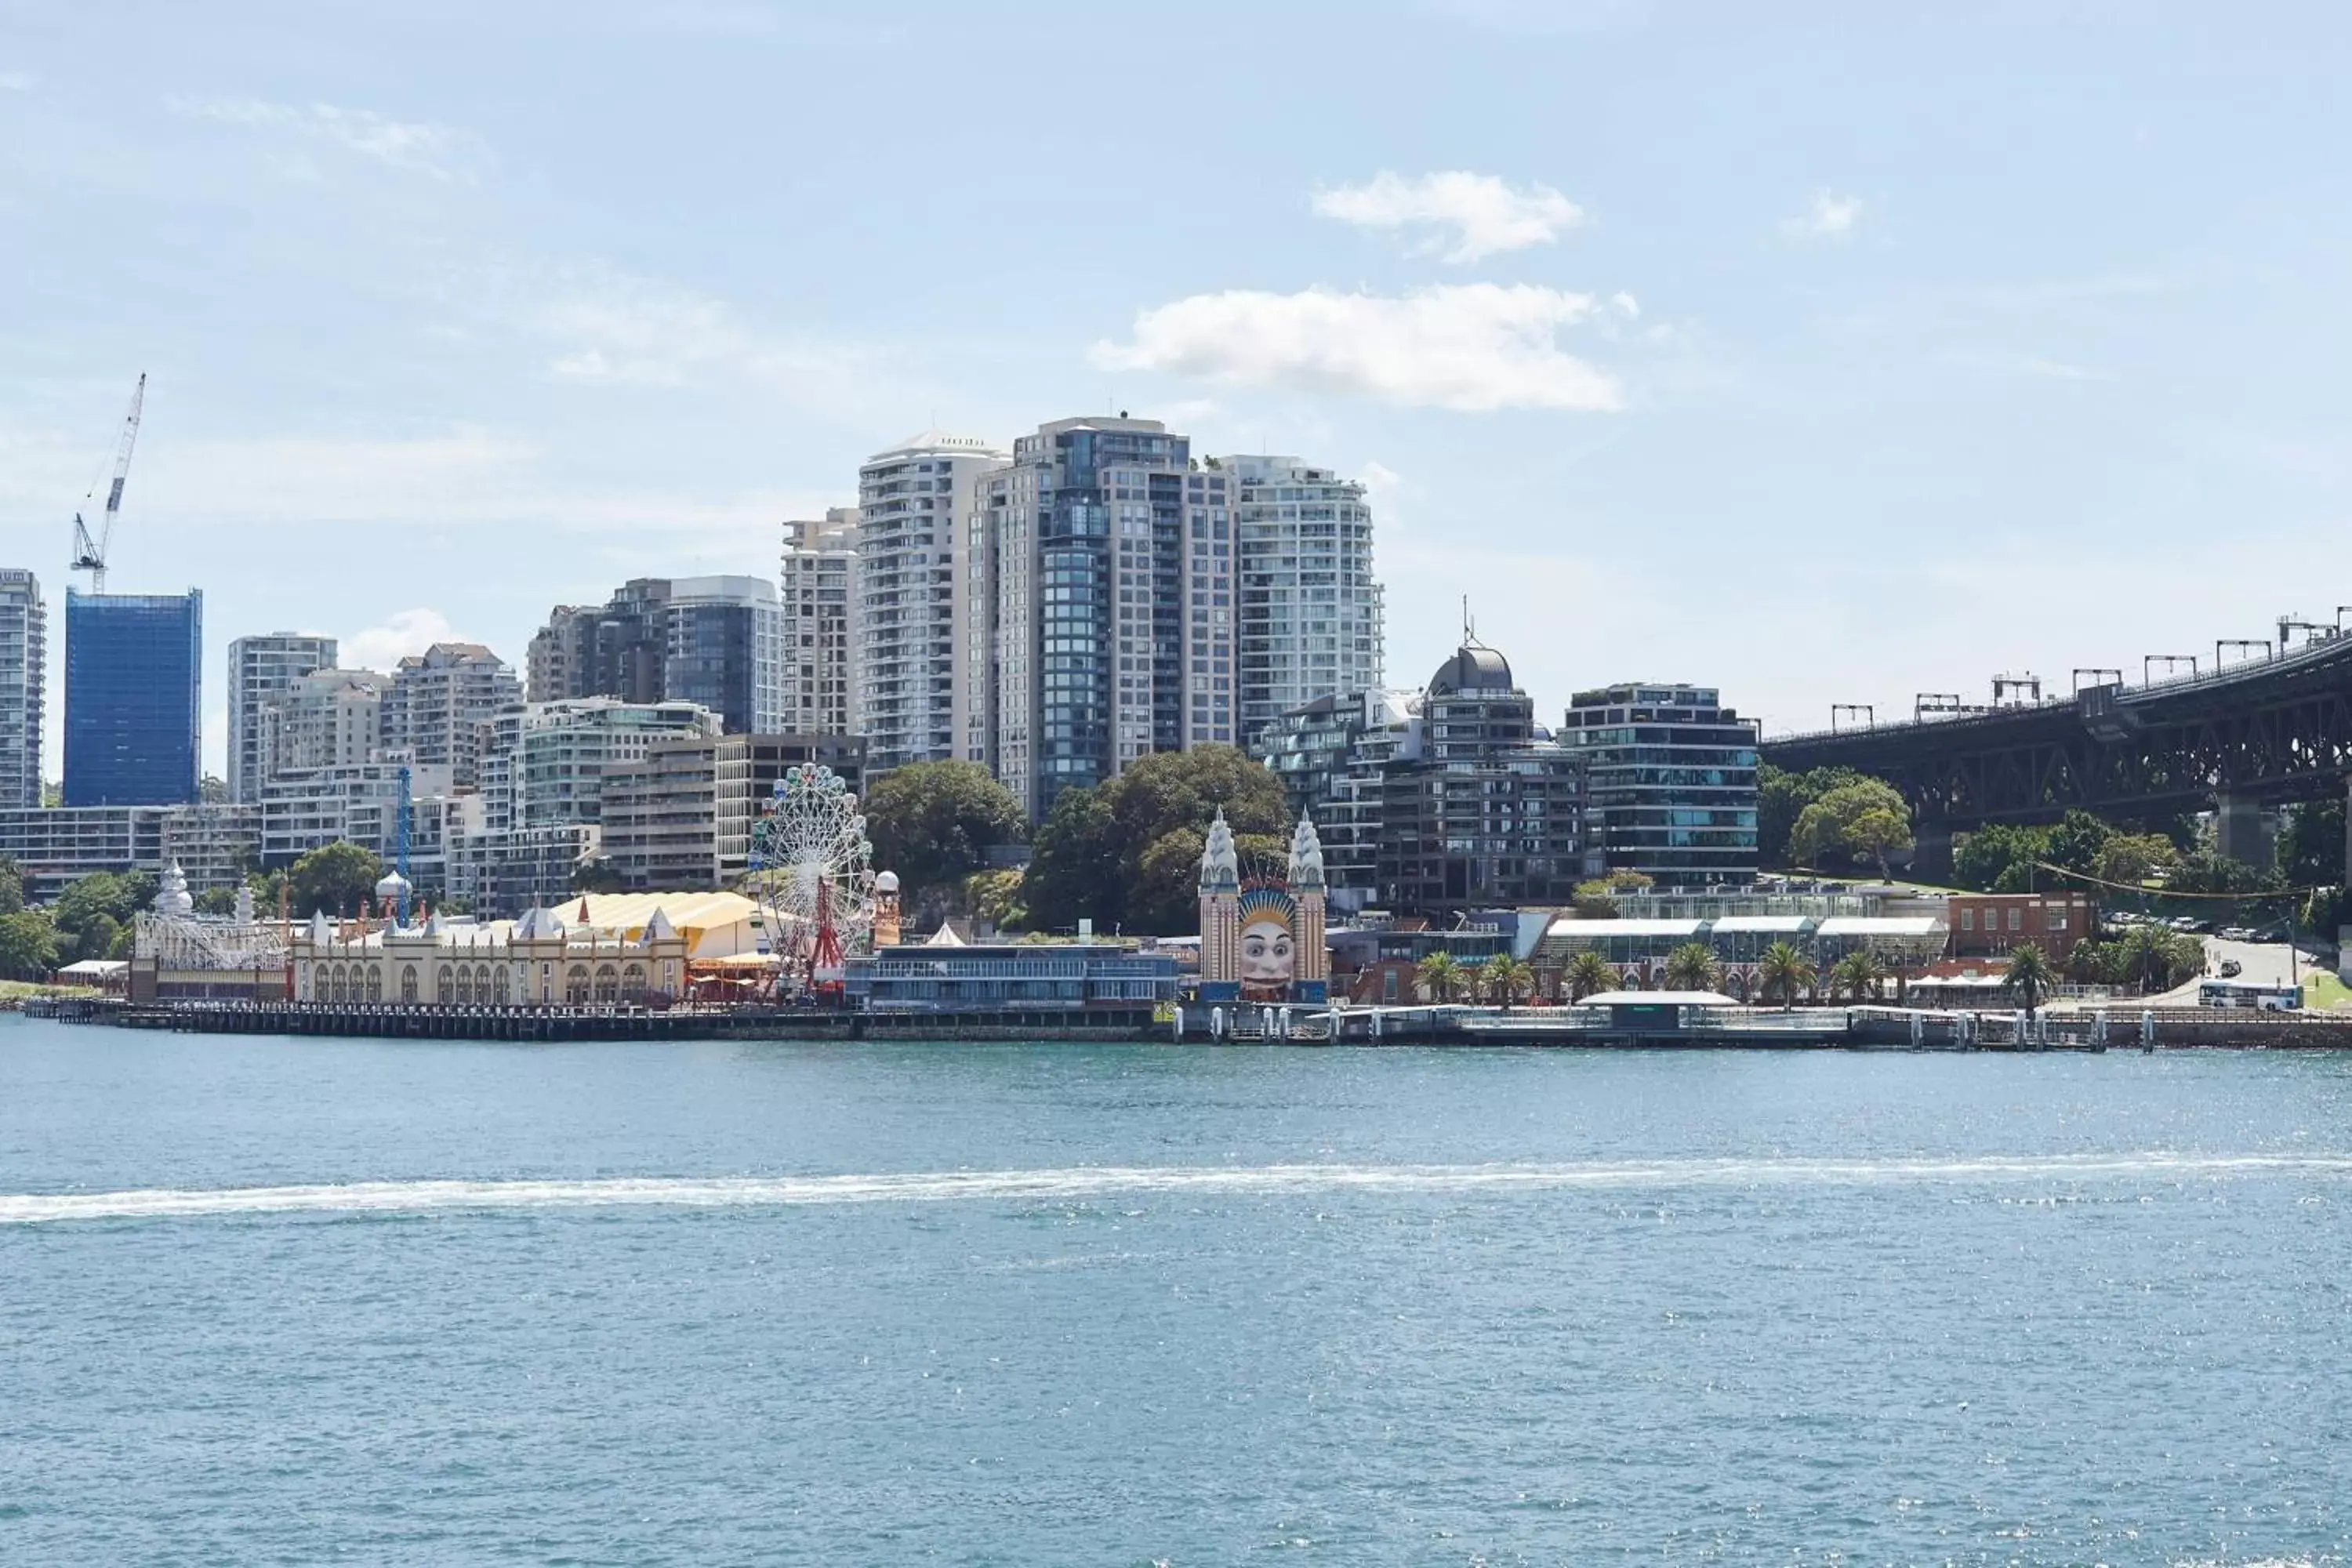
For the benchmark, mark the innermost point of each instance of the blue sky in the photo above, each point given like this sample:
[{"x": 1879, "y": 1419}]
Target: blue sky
[{"x": 1866, "y": 350}]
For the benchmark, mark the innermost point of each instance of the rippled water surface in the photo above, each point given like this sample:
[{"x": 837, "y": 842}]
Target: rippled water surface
[{"x": 300, "y": 1301}]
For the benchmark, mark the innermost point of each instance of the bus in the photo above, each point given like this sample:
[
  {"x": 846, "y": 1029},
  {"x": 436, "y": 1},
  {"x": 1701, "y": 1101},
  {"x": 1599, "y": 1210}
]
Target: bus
[{"x": 2250, "y": 994}]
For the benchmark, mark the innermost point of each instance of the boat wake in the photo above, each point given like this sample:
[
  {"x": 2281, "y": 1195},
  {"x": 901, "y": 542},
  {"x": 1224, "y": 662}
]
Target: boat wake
[{"x": 1080, "y": 1182}]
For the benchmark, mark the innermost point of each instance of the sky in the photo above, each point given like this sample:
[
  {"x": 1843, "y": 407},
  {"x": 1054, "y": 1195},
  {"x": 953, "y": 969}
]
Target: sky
[{"x": 1826, "y": 357}]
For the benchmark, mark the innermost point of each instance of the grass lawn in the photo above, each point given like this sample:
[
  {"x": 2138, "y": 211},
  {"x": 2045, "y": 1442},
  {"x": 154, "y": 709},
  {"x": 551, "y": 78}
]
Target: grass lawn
[{"x": 2323, "y": 990}]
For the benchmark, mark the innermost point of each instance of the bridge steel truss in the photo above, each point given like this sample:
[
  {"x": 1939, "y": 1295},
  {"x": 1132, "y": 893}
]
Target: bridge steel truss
[{"x": 2270, "y": 732}]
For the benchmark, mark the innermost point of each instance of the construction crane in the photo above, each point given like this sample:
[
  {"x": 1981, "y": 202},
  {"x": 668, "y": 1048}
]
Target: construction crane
[{"x": 90, "y": 554}]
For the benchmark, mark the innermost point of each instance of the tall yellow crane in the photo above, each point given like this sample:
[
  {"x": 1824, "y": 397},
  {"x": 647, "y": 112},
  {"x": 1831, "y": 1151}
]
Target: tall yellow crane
[{"x": 90, "y": 554}]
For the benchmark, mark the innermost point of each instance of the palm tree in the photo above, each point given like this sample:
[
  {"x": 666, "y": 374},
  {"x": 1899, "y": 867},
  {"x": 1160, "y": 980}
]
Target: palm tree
[
  {"x": 2031, "y": 974},
  {"x": 1589, "y": 974},
  {"x": 1785, "y": 969},
  {"x": 1440, "y": 975},
  {"x": 1505, "y": 979},
  {"x": 1858, "y": 974},
  {"x": 1691, "y": 967}
]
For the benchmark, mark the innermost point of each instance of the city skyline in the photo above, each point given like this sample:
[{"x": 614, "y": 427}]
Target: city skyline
[{"x": 1927, "y": 365}]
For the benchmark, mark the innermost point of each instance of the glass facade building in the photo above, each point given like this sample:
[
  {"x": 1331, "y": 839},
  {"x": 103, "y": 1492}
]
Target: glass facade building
[
  {"x": 1100, "y": 590},
  {"x": 1671, "y": 779},
  {"x": 134, "y": 672}
]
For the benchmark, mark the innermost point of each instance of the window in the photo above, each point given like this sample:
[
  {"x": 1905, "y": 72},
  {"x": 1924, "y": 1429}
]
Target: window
[
  {"x": 2016, "y": 919},
  {"x": 1967, "y": 920}
]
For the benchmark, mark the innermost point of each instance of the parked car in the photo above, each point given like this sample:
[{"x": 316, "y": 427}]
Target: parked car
[{"x": 2232, "y": 969}]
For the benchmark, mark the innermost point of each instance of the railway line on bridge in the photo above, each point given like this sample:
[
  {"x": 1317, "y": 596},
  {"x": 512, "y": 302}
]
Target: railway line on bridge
[{"x": 2257, "y": 733}]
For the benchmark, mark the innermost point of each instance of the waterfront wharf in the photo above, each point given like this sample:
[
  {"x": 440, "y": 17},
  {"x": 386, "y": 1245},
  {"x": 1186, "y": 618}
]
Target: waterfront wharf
[
  {"x": 600, "y": 1020},
  {"x": 1863, "y": 1027}
]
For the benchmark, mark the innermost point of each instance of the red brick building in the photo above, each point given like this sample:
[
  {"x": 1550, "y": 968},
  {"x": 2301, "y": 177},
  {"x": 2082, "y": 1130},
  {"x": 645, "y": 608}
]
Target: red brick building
[{"x": 1986, "y": 924}]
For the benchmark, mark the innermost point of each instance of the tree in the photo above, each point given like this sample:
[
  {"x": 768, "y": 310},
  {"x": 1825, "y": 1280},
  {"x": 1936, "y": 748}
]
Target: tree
[
  {"x": 1589, "y": 974},
  {"x": 94, "y": 911},
  {"x": 1859, "y": 973},
  {"x": 1165, "y": 893},
  {"x": 1088, "y": 855},
  {"x": 1999, "y": 856},
  {"x": 1781, "y": 799},
  {"x": 1440, "y": 975},
  {"x": 2207, "y": 870},
  {"x": 1505, "y": 979},
  {"x": 333, "y": 878},
  {"x": 934, "y": 822},
  {"x": 212, "y": 791},
  {"x": 1691, "y": 967},
  {"x": 1828, "y": 826},
  {"x": 12, "y": 885},
  {"x": 994, "y": 897},
  {"x": 2131, "y": 859},
  {"x": 1783, "y": 970},
  {"x": 2031, "y": 974},
  {"x": 1597, "y": 899},
  {"x": 28, "y": 946},
  {"x": 1879, "y": 833},
  {"x": 2311, "y": 846}
]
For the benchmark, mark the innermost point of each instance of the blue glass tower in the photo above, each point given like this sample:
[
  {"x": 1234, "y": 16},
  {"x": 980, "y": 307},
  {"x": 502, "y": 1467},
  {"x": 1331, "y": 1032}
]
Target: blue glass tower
[{"x": 134, "y": 665}]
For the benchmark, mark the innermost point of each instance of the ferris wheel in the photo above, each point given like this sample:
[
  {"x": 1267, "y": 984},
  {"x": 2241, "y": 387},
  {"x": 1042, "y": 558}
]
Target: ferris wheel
[{"x": 812, "y": 873}]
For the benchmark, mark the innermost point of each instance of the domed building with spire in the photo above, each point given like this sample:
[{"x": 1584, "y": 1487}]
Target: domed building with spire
[{"x": 1437, "y": 802}]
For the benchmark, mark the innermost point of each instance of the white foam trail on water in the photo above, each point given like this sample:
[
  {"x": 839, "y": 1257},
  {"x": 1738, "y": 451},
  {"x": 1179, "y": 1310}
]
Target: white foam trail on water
[{"x": 425, "y": 1197}]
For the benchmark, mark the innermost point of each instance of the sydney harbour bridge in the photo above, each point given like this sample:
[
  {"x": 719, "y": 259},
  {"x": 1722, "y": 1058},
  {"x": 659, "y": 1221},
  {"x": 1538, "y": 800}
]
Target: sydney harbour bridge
[{"x": 2272, "y": 727}]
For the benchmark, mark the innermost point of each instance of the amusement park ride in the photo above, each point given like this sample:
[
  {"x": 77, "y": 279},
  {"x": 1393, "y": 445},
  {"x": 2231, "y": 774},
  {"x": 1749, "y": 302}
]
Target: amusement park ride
[{"x": 812, "y": 874}]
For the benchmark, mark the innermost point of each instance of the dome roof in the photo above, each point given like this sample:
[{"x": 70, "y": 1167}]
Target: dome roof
[{"x": 1473, "y": 668}]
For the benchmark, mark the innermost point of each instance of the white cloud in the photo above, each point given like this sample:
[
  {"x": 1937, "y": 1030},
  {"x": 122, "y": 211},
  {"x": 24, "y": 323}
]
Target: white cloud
[
  {"x": 1485, "y": 214},
  {"x": 16, "y": 81},
  {"x": 398, "y": 635},
  {"x": 406, "y": 144},
  {"x": 620, "y": 330},
  {"x": 1476, "y": 347},
  {"x": 1831, "y": 217}
]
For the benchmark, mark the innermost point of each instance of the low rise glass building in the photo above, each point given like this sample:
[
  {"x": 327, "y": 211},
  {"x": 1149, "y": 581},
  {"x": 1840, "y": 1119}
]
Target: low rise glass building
[{"x": 1671, "y": 781}]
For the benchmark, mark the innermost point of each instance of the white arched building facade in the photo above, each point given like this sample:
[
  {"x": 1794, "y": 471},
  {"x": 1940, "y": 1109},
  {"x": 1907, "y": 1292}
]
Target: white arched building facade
[{"x": 536, "y": 962}]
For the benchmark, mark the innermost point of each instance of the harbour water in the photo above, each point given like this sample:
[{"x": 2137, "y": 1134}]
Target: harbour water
[{"x": 268, "y": 1301}]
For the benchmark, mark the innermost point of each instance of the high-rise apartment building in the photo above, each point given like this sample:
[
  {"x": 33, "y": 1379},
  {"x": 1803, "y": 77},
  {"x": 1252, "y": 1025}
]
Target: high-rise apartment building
[
  {"x": 819, "y": 588},
  {"x": 719, "y": 641},
  {"x": 135, "y": 672},
  {"x": 261, "y": 671},
  {"x": 1310, "y": 611},
  {"x": 440, "y": 703},
  {"x": 328, "y": 719},
  {"x": 1673, "y": 779},
  {"x": 1101, "y": 616},
  {"x": 23, "y": 676},
  {"x": 913, "y": 501}
]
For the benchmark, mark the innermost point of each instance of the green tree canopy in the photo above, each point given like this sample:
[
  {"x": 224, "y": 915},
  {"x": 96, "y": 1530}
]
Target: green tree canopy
[
  {"x": 12, "y": 885},
  {"x": 1865, "y": 819},
  {"x": 96, "y": 910},
  {"x": 1089, "y": 857},
  {"x": 1782, "y": 797},
  {"x": 2131, "y": 859},
  {"x": 932, "y": 823},
  {"x": 28, "y": 946},
  {"x": 334, "y": 878},
  {"x": 2311, "y": 846}
]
